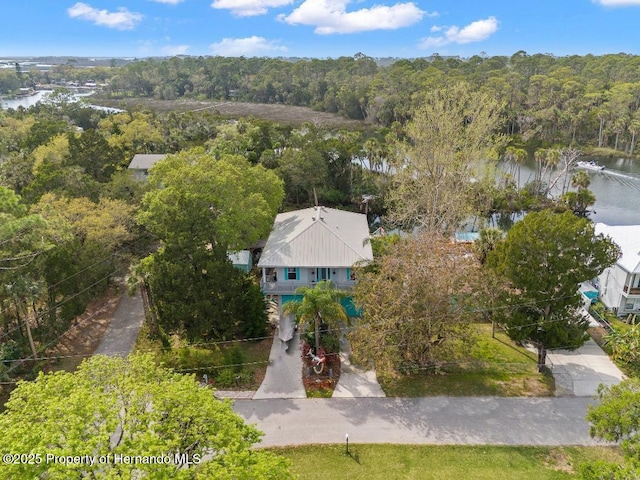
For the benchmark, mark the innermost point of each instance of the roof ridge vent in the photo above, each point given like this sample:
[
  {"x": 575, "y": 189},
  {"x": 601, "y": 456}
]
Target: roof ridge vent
[{"x": 317, "y": 214}]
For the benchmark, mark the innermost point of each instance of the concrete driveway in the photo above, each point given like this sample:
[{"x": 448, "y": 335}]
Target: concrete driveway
[
  {"x": 355, "y": 382},
  {"x": 579, "y": 373},
  {"x": 283, "y": 378}
]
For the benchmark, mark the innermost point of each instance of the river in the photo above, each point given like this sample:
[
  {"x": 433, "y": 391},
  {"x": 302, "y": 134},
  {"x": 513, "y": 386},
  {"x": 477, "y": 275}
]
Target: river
[
  {"x": 617, "y": 189},
  {"x": 40, "y": 95}
]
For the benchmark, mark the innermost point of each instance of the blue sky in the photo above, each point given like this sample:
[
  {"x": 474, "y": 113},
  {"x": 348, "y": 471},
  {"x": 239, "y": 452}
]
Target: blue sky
[{"x": 318, "y": 28}]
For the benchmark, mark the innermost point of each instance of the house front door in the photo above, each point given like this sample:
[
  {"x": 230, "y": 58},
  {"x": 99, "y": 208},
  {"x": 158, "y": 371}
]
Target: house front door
[{"x": 323, "y": 274}]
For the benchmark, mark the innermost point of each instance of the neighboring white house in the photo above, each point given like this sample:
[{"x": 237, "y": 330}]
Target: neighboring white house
[
  {"x": 142, "y": 162},
  {"x": 310, "y": 245},
  {"x": 619, "y": 285}
]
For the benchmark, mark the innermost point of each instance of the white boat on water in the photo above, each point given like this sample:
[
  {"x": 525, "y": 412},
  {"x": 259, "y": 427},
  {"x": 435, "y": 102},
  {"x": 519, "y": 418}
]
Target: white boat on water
[{"x": 589, "y": 165}]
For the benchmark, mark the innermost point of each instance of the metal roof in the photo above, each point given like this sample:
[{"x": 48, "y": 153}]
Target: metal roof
[
  {"x": 243, "y": 257},
  {"x": 144, "y": 161},
  {"x": 317, "y": 237},
  {"x": 628, "y": 238}
]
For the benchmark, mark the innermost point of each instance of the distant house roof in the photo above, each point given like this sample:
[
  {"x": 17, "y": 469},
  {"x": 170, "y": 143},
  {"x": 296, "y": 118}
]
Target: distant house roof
[
  {"x": 144, "y": 161},
  {"x": 317, "y": 237},
  {"x": 628, "y": 238},
  {"x": 243, "y": 257}
]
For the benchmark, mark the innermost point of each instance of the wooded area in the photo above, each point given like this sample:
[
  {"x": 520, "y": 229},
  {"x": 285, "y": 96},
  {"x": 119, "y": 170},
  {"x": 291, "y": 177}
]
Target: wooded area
[{"x": 579, "y": 100}]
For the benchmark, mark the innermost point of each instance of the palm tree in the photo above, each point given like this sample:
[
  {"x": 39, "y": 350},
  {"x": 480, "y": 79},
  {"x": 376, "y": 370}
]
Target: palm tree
[
  {"x": 580, "y": 180},
  {"x": 515, "y": 156},
  {"x": 319, "y": 305},
  {"x": 540, "y": 157},
  {"x": 487, "y": 241}
]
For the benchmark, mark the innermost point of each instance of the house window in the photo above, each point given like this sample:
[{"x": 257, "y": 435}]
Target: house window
[
  {"x": 629, "y": 306},
  {"x": 292, "y": 273},
  {"x": 350, "y": 275}
]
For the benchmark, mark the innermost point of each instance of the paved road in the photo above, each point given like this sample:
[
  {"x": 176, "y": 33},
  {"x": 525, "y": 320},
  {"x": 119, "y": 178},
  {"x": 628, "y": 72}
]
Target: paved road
[
  {"x": 124, "y": 327},
  {"x": 436, "y": 420}
]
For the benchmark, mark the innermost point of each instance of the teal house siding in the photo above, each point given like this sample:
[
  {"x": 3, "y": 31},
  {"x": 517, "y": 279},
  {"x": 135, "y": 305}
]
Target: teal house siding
[
  {"x": 350, "y": 308},
  {"x": 290, "y": 298},
  {"x": 346, "y": 302}
]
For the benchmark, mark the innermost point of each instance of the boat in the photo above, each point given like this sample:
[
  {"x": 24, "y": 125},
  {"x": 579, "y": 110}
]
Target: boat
[{"x": 589, "y": 165}]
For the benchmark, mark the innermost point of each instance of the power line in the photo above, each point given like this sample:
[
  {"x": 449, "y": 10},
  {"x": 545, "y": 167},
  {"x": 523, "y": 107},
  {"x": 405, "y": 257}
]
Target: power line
[
  {"x": 41, "y": 315},
  {"x": 154, "y": 350}
]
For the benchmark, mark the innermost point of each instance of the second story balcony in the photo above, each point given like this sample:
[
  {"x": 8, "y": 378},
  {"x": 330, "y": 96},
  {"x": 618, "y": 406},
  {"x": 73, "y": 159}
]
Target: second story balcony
[
  {"x": 288, "y": 287},
  {"x": 631, "y": 290}
]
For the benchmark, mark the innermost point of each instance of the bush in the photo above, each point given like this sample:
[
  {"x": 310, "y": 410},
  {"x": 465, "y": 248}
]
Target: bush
[
  {"x": 228, "y": 377},
  {"x": 234, "y": 358},
  {"x": 191, "y": 359},
  {"x": 9, "y": 350}
]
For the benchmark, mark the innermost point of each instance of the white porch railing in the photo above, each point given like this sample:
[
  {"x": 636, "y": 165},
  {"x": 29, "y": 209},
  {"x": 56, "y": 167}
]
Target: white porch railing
[{"x": 289, "y": 287}]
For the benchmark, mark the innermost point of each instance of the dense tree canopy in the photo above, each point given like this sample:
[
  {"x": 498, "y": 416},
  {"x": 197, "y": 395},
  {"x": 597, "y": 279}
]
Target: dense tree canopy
[
  {"x": 113, "y": 408},
  {"x": 570, "y": 100},
  {"x": 416, "y": 305},
  {"x": 22, "y": 235},
  {"x": 201, "y": 207},
  {"x": 545, "y": 257},
  {"x": 197, "y": 200}
]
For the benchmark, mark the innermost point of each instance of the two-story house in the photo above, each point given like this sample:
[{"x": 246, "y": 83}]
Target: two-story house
[
  {"x": 619, "y": 286},
  {"x": 310, "y": 245}
]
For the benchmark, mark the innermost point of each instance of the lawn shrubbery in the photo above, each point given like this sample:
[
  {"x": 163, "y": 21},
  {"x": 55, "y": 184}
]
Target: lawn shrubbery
[{"x": 235, "y": 365}]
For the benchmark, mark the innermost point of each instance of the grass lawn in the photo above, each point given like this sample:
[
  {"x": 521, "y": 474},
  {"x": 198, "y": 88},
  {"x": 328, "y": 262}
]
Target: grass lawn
[
  {"x": 495, "y": 366},
  {"x": 402, "y": 462}
]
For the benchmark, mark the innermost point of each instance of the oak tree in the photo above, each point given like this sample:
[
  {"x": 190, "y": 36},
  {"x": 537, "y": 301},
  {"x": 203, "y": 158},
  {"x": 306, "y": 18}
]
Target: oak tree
[
  {"x": 417, "y": 305},
  {"x": 616, "y": 419},
  {"x": 131, "y": 408},
  {"x": 545, "y": 257}
]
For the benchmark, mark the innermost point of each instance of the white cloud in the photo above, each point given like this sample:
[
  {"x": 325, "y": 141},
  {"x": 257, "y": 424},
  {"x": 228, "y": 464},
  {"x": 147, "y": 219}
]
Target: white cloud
[
  {"x": 168, "y": 2},
  {"x": 249, "y": 8},
  {"x": 123, "y": 19},
  {"x": 331, "y": 16},
  {"x": 173, "y": 50},
  {"x": 618, "y": 3},
  {"x": 474, "y": 32},
  {"x": 248, "y": 47}
]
